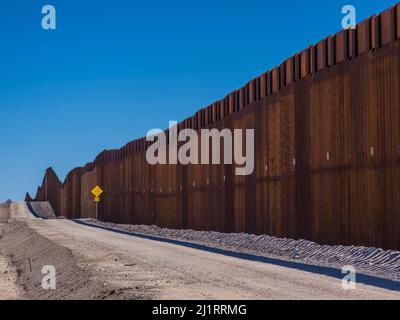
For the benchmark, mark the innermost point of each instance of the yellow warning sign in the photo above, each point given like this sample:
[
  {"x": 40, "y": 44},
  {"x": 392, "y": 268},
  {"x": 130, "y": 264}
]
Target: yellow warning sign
[{"x": 97, "y": 191}]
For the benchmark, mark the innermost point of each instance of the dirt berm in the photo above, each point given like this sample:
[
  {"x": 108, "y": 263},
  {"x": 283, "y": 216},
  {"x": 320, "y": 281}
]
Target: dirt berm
[{"x": 27, "y": 252}]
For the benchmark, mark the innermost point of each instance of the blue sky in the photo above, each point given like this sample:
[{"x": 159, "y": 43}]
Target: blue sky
[{"x": 112, "y": 70}]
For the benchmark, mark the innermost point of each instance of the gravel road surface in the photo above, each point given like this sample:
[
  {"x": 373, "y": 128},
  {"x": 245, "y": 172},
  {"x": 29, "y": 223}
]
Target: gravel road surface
[{"x": 98, "y": 264}]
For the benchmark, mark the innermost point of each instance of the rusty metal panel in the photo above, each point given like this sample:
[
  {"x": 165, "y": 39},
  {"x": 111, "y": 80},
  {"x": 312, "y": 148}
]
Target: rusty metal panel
[
  {"x": 249, "y": 182},
  {"x": 287, "y": 177},
  {"x": 251, "y": 87},
  {"x": 274, "y": 169},
  {"x": 323, "y": 158},
  {"x": 289, "y": 69},
  {"x": 221, "y": 110},
  {"x": 341, "y": 46},
  {"x": 263, "y": 86},
  {"x": 297, "y": 67},
  {"x": 374, "y": 34},
  {"x": 231, "y": 104},
  {"x": 305, "y": 63},
  {"x": 397, "y": 20},
  {"x": 322, "y": 57},
  {"x": 88, "y": 206},
  {"x": 387, "y": 26},
  {"x": 206, "y": 116},
  {"x": 214, "y": 108},
  {"x": 303, "y": 172},
  {"x": 389, "y": 81},
  {"x": 235, "y": 101},
  {"x": 239, "y": 199},
  {"x": 363, "y": 37},
  {"x": 76, "y": 192},
  {"x": 198, "y": 119},
  {"x": 256, "y": 82},
  {"x": 210, "y": 114},
  {"x": 388, "y": 151},
  {"x": 275, "y": 80},
  {"x": 202, "y": 117},
  {"x": 261, "y": 134},
  {"x": 224, "y": 107},
  {"x": 313, "y": 59},
  {"x": 269, "y": 83},
  {"x": 282, "y": 76},
  {"x": 352, "y": 43},
  {"x": 242, "y": 100},
  {"x": 331, "y": 51}
]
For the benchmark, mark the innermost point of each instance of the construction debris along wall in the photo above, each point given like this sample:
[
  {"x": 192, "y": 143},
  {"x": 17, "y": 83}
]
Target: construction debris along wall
[{"x": 327, "y": 132}]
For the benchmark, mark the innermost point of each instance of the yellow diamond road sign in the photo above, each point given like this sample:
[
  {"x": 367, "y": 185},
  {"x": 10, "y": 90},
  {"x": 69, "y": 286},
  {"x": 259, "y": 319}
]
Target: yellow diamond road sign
[{"x": 97, "y": 193}]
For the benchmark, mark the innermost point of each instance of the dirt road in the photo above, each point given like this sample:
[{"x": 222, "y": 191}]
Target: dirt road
[{"x": 94, "y": 263}]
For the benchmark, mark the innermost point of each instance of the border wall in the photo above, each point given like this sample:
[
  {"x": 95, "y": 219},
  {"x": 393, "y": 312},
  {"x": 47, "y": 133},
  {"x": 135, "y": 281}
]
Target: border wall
[{"x": 327, "y": 168}]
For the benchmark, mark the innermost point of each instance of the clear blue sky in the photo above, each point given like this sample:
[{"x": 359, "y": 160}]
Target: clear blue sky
[{"x": 115, "y": 69}]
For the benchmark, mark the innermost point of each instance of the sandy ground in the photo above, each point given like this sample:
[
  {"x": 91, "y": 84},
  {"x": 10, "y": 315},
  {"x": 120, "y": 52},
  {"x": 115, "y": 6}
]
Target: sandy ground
[
  {"x": 8, "y": 274},
  {"x": 9, "y": 290},
  {"x": 97, "y": 264}
]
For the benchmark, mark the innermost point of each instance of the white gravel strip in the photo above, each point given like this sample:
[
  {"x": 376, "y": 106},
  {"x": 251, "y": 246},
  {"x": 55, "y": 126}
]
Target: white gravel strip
[{"x": 371, "y": 261}]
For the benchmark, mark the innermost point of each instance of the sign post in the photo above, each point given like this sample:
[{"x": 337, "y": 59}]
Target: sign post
[{"x": 97, "y": 191}]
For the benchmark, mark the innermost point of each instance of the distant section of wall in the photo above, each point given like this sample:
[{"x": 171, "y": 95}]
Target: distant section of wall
[
  {"x": 327, "y": 126},
  {"x": 50, "y": 191}
]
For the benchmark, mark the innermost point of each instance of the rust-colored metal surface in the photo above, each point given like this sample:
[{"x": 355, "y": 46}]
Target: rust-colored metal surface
[{"x": 327, "y": 153}]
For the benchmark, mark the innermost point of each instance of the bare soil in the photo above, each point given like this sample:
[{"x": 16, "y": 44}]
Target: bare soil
[
  {"x": 8, "y": 274},
  {"x": 96, "y": 264}
]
